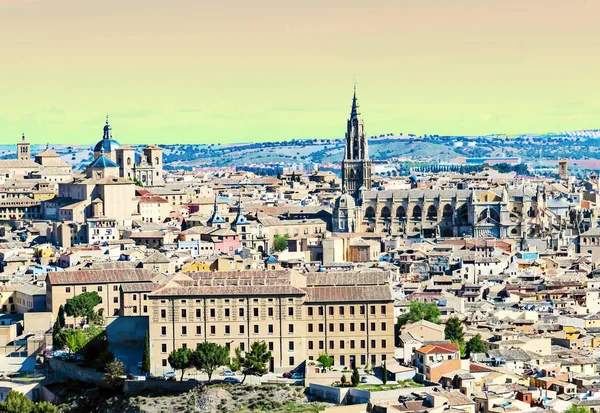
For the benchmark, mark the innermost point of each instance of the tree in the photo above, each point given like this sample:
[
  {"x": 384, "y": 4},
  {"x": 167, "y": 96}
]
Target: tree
[
  {"x": 343, "y": 380},
  {"x": 82, "y": 305},
  {"x": 254, "y": 363},
  {"x": 454, "y": 330},
  {"x": 280, "y": 242},
  {"x": 46, "y": 407},
  {"x": 577, "y": 409},
  {"x": 146, "y": 355},
  {"x": 75, "y": 340},
  {"x": 462, "y": 346},
  {"x": 113, "y": 377},
  {"x": 181, "y": 359},
  {"x": 355, "y": 378},
  {"x": 326, "y": 361},
  {"x": 384, "y": 373},
  {"x": 210, "y": 356},
  {"x": 57, "y": 338},
  {"x": 420, "y": 311},
  {"x": 17, "y": 402},
  {"x": 61, "y": 316},
  {"x": 476, "y": 345}
]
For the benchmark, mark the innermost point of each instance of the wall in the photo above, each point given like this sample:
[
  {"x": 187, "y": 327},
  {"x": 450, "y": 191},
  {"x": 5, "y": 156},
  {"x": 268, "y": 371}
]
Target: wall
[
  {"x": 73, "y": 371},
  {"x": 137, "y": 386},
  {"x": 126, "y": 329}
]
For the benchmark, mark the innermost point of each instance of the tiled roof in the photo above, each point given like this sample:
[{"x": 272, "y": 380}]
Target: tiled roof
[
  {"x": 349, "y": 293},
  {"x": 348, "y": 278},
  {"x": 101, "y": 276},
  {"x": 174, "y": 289},
  {"x": 138, "y": 287},
  {"x": 439, "y": 349}
]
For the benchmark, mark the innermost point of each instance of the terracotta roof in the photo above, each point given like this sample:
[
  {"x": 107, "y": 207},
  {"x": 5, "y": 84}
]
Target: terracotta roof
[
  {"x": 101, "y": 276},
  {"x": 152, "y": 199},
  {"x": 138, "y": 287},
  {"x": 173, "y": 289},
  {"x": 439, "y": 349},
  {"x": 348, "y": 278},
  {"x": 349, "y": 293}
]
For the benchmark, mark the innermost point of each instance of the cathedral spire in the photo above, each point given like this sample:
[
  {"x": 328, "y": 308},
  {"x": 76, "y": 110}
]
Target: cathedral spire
[
  {"x": 107, "y": 130},
  {"x": 354, "y": 112}
]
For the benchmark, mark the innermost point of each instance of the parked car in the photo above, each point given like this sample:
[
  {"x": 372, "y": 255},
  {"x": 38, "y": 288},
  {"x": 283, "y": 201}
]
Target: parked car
[
  {"x": 231, "y": 380},
  {"x": 169, "y": 375},
  {"x": 297, "y": 376},
  {"x": 363, "y": 379},
  {"x": 227, "y": 373}
]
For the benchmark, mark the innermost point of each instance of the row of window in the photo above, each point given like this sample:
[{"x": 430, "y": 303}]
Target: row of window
[
  {"x": 342, "y": 344},
  {"x": 227, "y": 312},
  {"x": 342, "y": 327},
  {"x": 351, "y": 309},
  {"x": 213, "y": 329}
]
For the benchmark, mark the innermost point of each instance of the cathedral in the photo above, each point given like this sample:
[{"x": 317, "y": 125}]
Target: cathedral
[
  {"x": 148, "y": 171},
  {"x": 516, "y": 212}
]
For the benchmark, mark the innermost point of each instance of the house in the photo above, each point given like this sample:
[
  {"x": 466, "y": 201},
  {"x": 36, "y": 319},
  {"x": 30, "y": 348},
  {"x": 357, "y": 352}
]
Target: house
[{"x": 435, "y": 360}]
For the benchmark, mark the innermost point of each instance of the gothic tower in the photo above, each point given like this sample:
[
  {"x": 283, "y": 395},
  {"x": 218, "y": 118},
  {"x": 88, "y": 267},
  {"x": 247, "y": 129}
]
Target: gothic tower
[{"x": 356, "y": 166}]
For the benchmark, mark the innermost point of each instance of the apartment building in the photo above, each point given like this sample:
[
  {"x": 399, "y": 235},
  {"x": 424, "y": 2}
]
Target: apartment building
[
  {"x": 61, "y": 286},
  {"x": 349, "y": 316}
]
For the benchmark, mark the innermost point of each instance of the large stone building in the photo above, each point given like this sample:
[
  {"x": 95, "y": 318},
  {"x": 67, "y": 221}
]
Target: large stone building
[{"x": 148, "y": 170}]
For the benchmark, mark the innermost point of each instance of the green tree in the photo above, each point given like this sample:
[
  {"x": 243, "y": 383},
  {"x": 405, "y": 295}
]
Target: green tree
[
  {"x": 355, "y": 378},
  {"x": 181, "y": 359},
  {"x": 384, "y": 373},
  {"x": 210, "y": 356},
  {"x": 462, "y": 346},
  {"x": 343, "y": 380},
  {"x": 577, "y": 409},
  {"x": 57, "y": 337},
  {"x": 82, "y": 305},
  {"x": 113, "y": 377},
  {"x": 280, "y": 242},
  {"x": 75, "y": 340},
  {"x": 61, "y": 316},
  {"x": 46, "y": 407},
  {"x": 476, "y": 345},
  {"x": 254, "y": 363},
  {"x": 420, "y": 311},
  {"x": 326, "y": 361},
  {"x": 146, "y": 355},
  {"x": 17, "y": 402},
  {"x": 454, "y": 330}
]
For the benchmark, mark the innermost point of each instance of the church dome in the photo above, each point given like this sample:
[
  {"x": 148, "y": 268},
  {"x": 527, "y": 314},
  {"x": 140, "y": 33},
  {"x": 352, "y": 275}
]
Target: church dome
[
  {"x": 107, "y": 144},
  {"x": 345, "y": 201}
]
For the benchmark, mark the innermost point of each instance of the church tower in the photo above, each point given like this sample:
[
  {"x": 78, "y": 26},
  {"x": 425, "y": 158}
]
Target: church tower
[
  {"x": 356, "y": 166},
  {"x": 23, "y": 150}
]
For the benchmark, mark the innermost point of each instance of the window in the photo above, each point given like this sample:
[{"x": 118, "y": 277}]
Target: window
[
  {"x": 163, "y": 313},
  {"x": 270, "y": 329},
  {"x": 351, "y": 310},
  {"x": 321, "y": 328},
  {"x": 271, "y": 346},
  {"x": 362, "y": 327},
  {"x": 331, "y": 328},
  {"x": 227, "y": 330},
  {"x": 363, "y": 359},
  {"x": 342, "y": 344},
  {"x": 68, "y": 289},
  {"x": 372, "y": 310},
  {"x": 351, "y": 326},
  {"x": 183, "y": 313},
  {"x": 363, "y": 344},
  {"x": 255, "y": 312},
  {"x": 163, "y": 348},
  {"x": 227, "y": 312},
  {"x": 116, "y": 300},
  {"x": 331, "y": 345},
  {"x": 341, "y": 310},
  {"x": 184, "y": 345},
  {"x": 256, "y": 329},
  {"x": 330, "y": 310},
  {"x": 351, "y": 343},
  {"x": 372, "y": 326},
  {"x": 164, "y": 362},
  {"x": 310, "y": 345},
  {"x": 145, "y": 309},
  {"x": 241, "y": 312},
  {"x": 242, "y": 346},
  {"x": 198, "y": 313},
  {"x": 290, "y": 311},
  {"x": 320, "y": 310},
  {"x": 135, "y": 309},
  {"x": 100, "y": 289},
  {"x": 115, "y": 288},
  {"x": 383, "y": 326},
  {"x": 163, "y": 331},
  {"x": 373, "y": 343},
  {"x": 291, "y": 346},
  {"x": 383, "y": 344},
  {"x": 291, "y": 328},
  {"x": 310, "y": 311},
  {"x": 198, "y": 330},
  {"x": 310, "y": 328},
  {"x": 292, "y": 363},
  {"x": 212, "y": 313},
  {"x": 242, "y": 330},
  {"x": 321, "y": 344},
  {"x": 83, "y": 289},
  {"x": 362, "y": 310},
  {"x": 270, "y": 311},
  {"x": 183, "y": 330},
  {"x": 383, "y": 309},
  {"x": 213, "y": 330}
]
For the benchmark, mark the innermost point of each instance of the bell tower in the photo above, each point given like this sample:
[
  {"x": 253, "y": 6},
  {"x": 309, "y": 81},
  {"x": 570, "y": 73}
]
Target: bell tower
[
  {"x": 23, "y": 150},
  {"x": 356, "y": 166}
]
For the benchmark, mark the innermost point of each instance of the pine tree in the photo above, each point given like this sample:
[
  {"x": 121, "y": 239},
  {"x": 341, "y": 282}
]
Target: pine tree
[
  {"x": 61, "y": 316},
  {"x": 454, "y": 330},
  {"x": 384, "y": 373},
  {"x": 146, "y": 356},
  {"x": 355, "y": 378}
]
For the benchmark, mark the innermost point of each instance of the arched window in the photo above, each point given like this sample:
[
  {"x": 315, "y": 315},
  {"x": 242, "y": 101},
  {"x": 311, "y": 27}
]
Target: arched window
[
  {"x": 462, "y": 215},
  {"x": 370, "y": 213},
  {"x": 400, "y": 212},
  {"x": 432, "y": 212},
  {"x": 156, "y": 161},
  {"x": 128, "y": 161},
  {"x": 447, "y": 212},
  {"x": 417, "y": 212},
  {"x": 385, "y": 212}
]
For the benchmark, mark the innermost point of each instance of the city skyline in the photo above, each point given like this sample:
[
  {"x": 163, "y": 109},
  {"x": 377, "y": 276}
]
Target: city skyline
[{"x": 233, "y": 73}]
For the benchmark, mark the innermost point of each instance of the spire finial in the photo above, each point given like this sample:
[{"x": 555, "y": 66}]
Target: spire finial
[
  {"x": 107, "y": 118},
  {"x": 23, "y": 137},
  {"x": 47, "y": 146},
  {"x": 354, "y": 113}
]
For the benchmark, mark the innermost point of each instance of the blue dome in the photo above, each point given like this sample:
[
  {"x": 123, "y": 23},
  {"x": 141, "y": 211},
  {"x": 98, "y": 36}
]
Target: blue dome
[
  {"x": 103, "y": 162},
  {"x": 109, "y": 145}
]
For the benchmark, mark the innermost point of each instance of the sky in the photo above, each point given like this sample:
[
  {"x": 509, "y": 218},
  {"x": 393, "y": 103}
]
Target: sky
[{"x": 197, "y": 71}]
